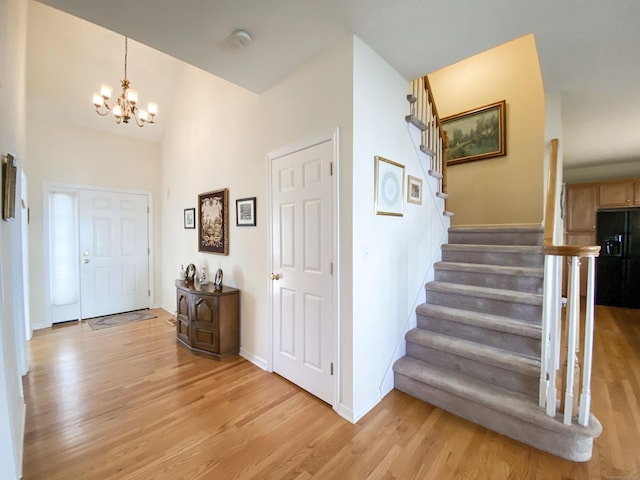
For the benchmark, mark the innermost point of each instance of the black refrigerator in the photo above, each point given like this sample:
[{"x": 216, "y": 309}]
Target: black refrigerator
[{"x": 618, "y": 266}]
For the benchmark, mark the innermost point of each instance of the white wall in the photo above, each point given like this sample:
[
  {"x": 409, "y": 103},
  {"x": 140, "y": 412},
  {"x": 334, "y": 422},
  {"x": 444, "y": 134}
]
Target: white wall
[
  {"x": 392, "y": 256},
  {"x": 13, "y": 21},
  {"x": 63, "y": 154}
]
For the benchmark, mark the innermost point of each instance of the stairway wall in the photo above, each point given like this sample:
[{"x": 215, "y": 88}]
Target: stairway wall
[
  {"x": 392, "y": 256},
  {"x": 507, "y": 189}
]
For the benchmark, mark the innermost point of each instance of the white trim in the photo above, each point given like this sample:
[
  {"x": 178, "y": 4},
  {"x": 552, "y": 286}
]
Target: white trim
[
  {"x": 327, "y": 136},
  {"x": 256, "y": 360},
  {"x": 48, "y": 187}
]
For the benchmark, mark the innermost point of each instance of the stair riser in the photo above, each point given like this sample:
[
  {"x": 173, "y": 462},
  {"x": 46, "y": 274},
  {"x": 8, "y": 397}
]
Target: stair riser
[
  {"x": 507, "y": 282},
  {"x": 506, "y": 341},
  {"x": 486, "y": 238},
  {"x": 511, "y": 259},
  {"x": 520, "y": 311},
  {"x": 498, "y": 376},
  {"x": 565, "y": 445}
]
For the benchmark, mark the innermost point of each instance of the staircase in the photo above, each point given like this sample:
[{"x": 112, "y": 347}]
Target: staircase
[{"x": 476, "y": 349}]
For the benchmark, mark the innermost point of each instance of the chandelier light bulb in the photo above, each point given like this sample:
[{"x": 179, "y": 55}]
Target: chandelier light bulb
[
  {"x": 132, "y": 96},
  {"x": 105, "y": 92},
  {"x": 98, "y": 101},
  {"x": 117, "y": 111},
  {"x": 143, "y": 116},
  {"x": 153, "y": 109}
]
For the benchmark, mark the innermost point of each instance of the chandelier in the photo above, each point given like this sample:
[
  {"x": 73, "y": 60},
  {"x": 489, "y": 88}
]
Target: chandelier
[{"x": 126, "y": 105}]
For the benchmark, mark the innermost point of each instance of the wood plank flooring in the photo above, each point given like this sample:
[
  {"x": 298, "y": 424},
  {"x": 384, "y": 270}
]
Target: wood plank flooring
[{"x": 129, "y": 403}]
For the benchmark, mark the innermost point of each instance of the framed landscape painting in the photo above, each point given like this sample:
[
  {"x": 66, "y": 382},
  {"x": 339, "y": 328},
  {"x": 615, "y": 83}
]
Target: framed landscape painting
[{"x": 476, "y": 134}]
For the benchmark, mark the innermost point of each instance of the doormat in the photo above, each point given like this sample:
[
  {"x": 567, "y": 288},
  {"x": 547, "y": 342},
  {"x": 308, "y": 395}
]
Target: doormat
[{"x": 99, "y": 323}]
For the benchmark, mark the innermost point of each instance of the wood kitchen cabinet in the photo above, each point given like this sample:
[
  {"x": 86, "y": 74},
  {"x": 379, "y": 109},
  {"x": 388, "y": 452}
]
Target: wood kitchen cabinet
[
  {"x": 582, "y": 205},
  {"x": 208, "y": 321},
  {"x": 618, "y": 194}
]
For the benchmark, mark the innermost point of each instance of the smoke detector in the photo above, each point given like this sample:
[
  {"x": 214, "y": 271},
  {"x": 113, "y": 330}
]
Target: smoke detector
[{"x": 241, "y": 38}]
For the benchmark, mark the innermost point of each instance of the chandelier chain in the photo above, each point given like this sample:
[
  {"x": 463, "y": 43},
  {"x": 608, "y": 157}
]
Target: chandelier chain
[{"x": 126, "y": 54}]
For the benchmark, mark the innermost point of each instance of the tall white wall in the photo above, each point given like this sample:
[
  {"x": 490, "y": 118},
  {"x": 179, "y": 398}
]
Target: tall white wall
[
  {"x": 13, "y": 21},
  {"x": 392, "y": 256},
  {"x": 63, "y": 154}
]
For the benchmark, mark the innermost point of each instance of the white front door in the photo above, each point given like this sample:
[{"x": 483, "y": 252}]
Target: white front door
[
  {"x": 114, "y": 252},
  {"x": 302, "y": 259}
]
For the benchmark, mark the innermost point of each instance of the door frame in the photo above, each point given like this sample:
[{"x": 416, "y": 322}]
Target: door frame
[
  {"x": 327, "y": 136},
  {"x": 69, "y": 187}
]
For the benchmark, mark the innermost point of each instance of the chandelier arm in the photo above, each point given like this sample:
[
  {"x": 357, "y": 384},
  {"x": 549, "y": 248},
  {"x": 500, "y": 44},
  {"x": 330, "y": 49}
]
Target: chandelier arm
[{"x": 102, "y": 114}]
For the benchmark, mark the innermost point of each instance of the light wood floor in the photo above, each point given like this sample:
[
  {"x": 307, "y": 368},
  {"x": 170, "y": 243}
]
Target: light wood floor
[{"x": 129, "y": 403}]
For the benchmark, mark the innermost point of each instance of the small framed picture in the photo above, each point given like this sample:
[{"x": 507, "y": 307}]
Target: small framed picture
[
  {"x": 414, "y": 190},
  {"x": 246, "y": 212},
  {"x": 388, "y": 187},
  {"x": 189, "y": 218}
]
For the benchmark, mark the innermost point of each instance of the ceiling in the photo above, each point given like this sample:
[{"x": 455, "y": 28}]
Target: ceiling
[{"x": 588, "y": 49}]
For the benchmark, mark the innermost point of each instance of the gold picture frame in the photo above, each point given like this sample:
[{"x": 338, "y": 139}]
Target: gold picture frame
[
  {"x": 9, "y": 178},
  {"x": 414, "y": 190},
  {"x": 476, "y": 134},
  {"x": 388, "y": 187},
  {"x": 213, "y": 222}
]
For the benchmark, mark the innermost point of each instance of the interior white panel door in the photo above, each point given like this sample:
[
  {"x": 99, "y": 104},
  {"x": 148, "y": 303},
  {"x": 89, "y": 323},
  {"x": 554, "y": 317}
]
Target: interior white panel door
[
  {"x": 114, "y": 252},
  {"x": 302, "y": 256}
]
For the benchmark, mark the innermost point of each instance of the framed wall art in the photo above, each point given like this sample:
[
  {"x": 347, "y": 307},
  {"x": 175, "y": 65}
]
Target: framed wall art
[
  {"x": 388, "y": 187},
  {"x": 246, "y": 212},
  {"x": 414, "y": 190},
  {"x": 476, "y": 134},
  {"x": 189, "y": 218},
  {"x": 9, "y": 178},
  {"x": 213, "y": 222}
]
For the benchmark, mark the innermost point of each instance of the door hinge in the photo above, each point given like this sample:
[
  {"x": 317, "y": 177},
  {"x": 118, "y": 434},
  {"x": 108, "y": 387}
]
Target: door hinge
[
  {"x": 330, "y": 168},
  {"x": 148, "y": 251},
  {"x": 331, "y": 268},
  {"x": 331, "y": 368},
  {"x": 148, "y": 210},
  {"x": 149, "y": 291}
]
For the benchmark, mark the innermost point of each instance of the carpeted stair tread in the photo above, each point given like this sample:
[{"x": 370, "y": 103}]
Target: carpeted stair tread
[
  {"x": 485, "y": 292},
  {"x": 493, "y": 248},
  {"x": 489, "y": 269},
  {"x": 475, "y": 351},
  {"x": 498, "y": 235},
  {"x": 516, "y": 405},
  {"x": 484, "y": 320}
]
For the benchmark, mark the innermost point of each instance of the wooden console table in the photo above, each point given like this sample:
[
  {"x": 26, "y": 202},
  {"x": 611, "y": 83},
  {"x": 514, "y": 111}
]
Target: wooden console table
[{"x": 208, "y": 321}]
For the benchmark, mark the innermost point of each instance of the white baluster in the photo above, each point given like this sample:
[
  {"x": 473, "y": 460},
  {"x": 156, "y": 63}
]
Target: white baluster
[
  {"x": 585, "y": 398},
  {"x": 545, "y": 347},
  {"x": 573, "y": 313}
]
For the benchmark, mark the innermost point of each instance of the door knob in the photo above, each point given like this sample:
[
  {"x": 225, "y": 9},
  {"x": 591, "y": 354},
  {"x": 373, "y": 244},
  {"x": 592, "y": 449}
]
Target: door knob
[
  {"x": 86, "y": 260},
  {"x": 275, "y": 276}
]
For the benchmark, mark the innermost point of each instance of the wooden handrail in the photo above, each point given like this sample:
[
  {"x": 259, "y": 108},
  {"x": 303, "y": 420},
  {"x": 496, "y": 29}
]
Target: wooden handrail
[
  {"x": 550, "y": 205},
  {"x": 572, "y": 250}
]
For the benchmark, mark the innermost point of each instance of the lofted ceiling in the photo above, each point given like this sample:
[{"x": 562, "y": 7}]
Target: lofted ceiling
[{"x": 588, "y": 49}]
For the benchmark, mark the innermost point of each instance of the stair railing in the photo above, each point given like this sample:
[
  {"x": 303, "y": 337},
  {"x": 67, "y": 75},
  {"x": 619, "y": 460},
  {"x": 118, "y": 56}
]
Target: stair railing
[
  {"x": 423, "y": 114},
  {"x": 552, "y": 317}
]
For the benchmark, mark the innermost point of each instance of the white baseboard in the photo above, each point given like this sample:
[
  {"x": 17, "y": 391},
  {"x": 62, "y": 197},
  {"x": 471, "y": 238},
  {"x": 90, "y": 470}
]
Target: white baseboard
[{"x": 257, "y": 361}]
